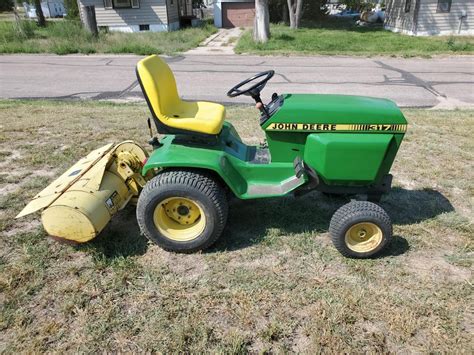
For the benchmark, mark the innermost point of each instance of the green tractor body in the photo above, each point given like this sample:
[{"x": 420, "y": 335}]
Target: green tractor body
[
  {"x": 348, "y": 142},
  {"x": 336, "y": 144}
]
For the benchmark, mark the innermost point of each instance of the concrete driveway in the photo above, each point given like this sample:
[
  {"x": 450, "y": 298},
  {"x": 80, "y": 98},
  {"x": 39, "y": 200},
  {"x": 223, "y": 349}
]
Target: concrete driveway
[{"x": 441, "y": 82}]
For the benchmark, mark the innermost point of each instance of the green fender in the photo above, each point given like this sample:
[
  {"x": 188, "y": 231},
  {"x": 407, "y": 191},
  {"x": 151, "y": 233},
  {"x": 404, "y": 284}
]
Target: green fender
[
  {"x": 210, "y": 158},
  {"x": 231, "y": 160}
]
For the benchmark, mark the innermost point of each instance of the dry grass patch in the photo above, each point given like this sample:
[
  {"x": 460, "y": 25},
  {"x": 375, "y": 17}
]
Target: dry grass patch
[{"x": 273, "y": 282}]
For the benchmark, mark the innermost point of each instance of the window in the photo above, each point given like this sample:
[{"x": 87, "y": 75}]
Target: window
[
  {"x": 144, "y": 27},
  {"x": 118, "y": 4},
  {"x": 407, "y": 5},
  {"x": 444, "y": 6},
  {"x": 121, "y": 4}
]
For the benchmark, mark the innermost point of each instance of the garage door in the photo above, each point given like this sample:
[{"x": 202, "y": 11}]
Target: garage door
[{"x": 237, "y": 14}]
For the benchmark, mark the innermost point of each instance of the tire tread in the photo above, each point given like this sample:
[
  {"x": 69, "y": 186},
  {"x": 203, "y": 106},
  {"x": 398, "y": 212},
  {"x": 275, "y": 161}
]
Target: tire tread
[
  {"x": 195, "y": 179},
  {"x": 350, "y": 212}
]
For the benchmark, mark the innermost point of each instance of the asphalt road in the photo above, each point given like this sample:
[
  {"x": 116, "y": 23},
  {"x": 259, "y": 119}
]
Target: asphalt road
[{"x": 441, "y": 82}]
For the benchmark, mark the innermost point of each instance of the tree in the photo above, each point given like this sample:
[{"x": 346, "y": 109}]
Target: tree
[
  {"x": 295, "y": 9},
  {"x": 261, "y": 29},
  {"x": 39, "y": 14}
]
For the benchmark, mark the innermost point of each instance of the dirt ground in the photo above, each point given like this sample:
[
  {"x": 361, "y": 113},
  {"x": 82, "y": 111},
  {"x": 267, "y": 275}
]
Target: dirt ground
[{"x": 272, "y": 283}]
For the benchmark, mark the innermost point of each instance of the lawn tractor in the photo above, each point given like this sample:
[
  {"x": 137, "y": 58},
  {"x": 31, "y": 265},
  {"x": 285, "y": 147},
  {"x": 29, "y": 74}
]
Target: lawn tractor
[{"x": 334, "y": 144}]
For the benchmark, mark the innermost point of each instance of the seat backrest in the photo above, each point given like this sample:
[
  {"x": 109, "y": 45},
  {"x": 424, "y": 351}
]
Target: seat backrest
[{"x": 159, "y": 86}]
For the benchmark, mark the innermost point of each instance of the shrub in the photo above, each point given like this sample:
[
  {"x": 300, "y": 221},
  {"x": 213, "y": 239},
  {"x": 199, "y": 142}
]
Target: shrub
[
  {"x": 68, "y": 30},
  {"x": 135, "y": 48},
  {"x": 6, "y": 5},
  {"x": 311, "y": 10},
  {"x": 64, "y": 48},
  {"x": 71, "y": 9},
  {"x": 458, "y": 46},
  {"x": 17, "y": 31}
]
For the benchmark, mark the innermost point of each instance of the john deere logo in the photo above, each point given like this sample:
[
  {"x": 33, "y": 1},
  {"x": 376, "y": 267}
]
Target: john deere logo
[{"x": 325, "y": 127}]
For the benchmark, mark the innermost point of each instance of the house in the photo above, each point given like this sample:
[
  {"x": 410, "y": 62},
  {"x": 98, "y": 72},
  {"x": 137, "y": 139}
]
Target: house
[
  {"x": 140, "y": 15},
  {"x": 430, "y": 17},
  {"x": 51, "y": 8},
  {"x": 234, "y": 13}
]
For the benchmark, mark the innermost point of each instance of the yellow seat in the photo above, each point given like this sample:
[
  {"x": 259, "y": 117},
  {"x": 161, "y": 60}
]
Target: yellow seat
[{"x": 159, "y": 87}]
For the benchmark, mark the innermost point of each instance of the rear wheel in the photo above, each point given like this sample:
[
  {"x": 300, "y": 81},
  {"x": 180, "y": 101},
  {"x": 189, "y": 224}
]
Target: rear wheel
[
  {"x": 360, "y": 229},
  {"x": 182, "y": 210}
]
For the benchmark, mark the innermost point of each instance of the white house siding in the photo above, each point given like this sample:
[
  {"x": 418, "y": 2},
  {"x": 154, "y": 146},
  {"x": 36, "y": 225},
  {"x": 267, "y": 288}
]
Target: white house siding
[
  {"x": 397, "y": 20},
  {"x": 151, "y": 12},
  {"x": 431, "y": 22},
  {"x": 51, "y": 8},
  {"x": 428, "y": 21}
]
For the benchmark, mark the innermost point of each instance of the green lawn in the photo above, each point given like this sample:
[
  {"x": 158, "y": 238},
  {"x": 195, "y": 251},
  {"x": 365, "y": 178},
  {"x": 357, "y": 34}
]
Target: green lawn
[
  {"x": 65, "y": 37},
  {"x": 273, "y": 282},
  {"x": 345, "y": 38}
]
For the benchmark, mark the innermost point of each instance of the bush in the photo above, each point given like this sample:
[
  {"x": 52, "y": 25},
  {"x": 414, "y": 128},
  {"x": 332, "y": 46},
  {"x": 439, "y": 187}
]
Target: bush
[
  {"x": 66, "y": 29},
  {"x": 17, "y": 31},
  {"x": 6, "y": 5},
  {"x": 71, "y": 9},
  {"x": 311, "y": 10},
  {"x": 135, "y": 48},
  {"x": 457, "y": 46}
]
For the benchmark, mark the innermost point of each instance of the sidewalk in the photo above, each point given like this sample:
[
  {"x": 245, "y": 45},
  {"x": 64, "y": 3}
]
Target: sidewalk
[{"x": 222, "y": 42}]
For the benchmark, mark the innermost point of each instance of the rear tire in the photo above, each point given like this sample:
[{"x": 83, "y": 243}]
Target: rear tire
[
  {"x": 360, "y": 229},
  {"x": 182, "y": 210}
]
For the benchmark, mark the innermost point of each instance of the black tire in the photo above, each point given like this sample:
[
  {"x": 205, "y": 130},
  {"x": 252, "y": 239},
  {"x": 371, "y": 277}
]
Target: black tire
[
  {"x": 198, "y": 186},
  {"x": 364, "y": 219}
]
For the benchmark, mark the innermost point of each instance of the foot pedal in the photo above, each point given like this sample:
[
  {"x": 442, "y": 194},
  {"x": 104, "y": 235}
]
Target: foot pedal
[{"x": 299, "y": 167}]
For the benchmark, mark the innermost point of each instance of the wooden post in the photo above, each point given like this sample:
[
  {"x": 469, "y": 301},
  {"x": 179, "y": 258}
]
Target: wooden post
[{"x": 89, "y": 20}]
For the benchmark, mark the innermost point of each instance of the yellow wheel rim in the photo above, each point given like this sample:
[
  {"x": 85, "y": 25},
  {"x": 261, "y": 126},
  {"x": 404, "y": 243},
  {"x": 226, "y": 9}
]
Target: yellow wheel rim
[
  {"x": 180, "y": 219},
  {"x": 363, "y": 237}
]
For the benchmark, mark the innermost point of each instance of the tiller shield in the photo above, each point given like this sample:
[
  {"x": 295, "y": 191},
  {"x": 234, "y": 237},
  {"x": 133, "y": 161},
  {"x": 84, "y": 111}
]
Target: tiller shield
[{"x": 80, "y": 203}]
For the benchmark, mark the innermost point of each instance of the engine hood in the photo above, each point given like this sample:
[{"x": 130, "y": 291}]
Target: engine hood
[{"x": 309, "y": 111}]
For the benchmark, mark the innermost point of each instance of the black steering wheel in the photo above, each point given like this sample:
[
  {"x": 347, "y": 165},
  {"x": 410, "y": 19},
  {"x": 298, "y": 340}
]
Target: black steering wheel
[{"x": 255, "y": 89}]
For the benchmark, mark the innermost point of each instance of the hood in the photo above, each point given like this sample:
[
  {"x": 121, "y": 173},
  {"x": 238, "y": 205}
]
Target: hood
[{"x": 336, "y": 109}]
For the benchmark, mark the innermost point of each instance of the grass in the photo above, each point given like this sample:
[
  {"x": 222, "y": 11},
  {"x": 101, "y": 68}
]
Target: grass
[
  {"x": 345, "y": 38},
  {"x": 272, "y": 283},
  {"x": 66, "y": 37}
]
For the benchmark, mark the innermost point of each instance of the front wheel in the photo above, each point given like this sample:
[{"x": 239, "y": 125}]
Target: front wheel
[
  {"x": 182, "y": 210},
  {"x": 360, "y": 229}
]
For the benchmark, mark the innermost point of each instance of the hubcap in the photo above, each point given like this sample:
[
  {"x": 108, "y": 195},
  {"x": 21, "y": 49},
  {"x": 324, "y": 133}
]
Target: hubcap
[
  {"x": 179, "y": 218},
  {"x": 363, "y": 237}
]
